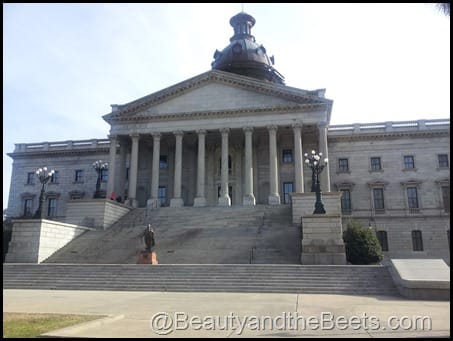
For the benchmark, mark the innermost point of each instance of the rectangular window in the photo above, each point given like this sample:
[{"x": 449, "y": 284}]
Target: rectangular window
[
  {"x": 409, "y": 162},
  {"x": 446, "y": 198},
  {"x": 412, "y": 197},
  {"x": 31, "y": 178},
  {"x": 52, "y": 207},
  {"x": 28, "y": 203},
  {"x": 343, "y": 165},
  {"x": 127, "y": 173},
  {"x": 443, "y": 160},
  {"x": 104, "y": 174},
  {"x": 417, "y": 240},
  {"x": 162, "y": 195},
  {"x": 376, "y": 163},
  {"x": 287, "y": 156},
  {"x": 163, "y": 164},
  {"x": 78, "y": 177},
  {"x": 288, "y": 187},
  {"x": 382, "y": 237},
  {"x": 378, "y": 198},
  {"x": 345, "y": 201},
  {"x": 54, "y": 178}
]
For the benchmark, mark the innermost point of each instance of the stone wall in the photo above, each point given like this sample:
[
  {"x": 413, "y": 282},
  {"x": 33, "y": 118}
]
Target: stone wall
[
  {"x": 96, "y": 213},
  {"x": 34, "y": 240}
]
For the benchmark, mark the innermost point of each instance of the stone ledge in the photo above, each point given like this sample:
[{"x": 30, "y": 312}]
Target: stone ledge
[{"x": 421, "y": 278}]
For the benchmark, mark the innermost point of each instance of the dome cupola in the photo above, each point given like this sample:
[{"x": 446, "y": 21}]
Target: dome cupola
[{"x": 243, "y": 55}]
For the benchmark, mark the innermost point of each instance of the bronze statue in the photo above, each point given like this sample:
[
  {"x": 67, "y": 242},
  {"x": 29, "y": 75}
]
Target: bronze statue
[{"x": 148, "y": 237}]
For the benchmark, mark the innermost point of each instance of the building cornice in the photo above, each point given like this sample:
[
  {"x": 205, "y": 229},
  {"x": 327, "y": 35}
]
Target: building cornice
[
  {"x": 387, "y": 135},
  {"x": 60, "y": 152}
]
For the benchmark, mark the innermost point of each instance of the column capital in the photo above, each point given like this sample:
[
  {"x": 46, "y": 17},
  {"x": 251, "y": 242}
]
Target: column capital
[
  {"x": 178, "y": 133},
  {"x": 224, "y": 130},
  {"x": 201, "y": 131},
  {"x": 297, "y": 125},
  {"x": 272, "y": 127},
  {"x": 112, "y": 136},
  {"x": 155, "y": 134},
  {"x": 322, "y": 125},
  {"x": 134, "y": 135},
  {"x": 247, "y": 129}
]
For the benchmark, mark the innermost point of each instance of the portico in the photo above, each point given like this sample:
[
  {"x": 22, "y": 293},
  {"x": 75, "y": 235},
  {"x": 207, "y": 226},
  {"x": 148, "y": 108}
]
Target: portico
[{"x": 231, "y": 164}]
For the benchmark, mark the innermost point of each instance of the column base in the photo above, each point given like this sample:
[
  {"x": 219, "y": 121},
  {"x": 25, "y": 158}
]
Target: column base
[
  {"x": 152, "y": 204},
  {"x": 274, "y": 199},
  {"x": 199, "y": 202},
  {"x": 132, "y": 202},
  {"x": 248, "y": 200},
  {"x": 224, "y": 201},
  {"x": 176, "y": 202}
]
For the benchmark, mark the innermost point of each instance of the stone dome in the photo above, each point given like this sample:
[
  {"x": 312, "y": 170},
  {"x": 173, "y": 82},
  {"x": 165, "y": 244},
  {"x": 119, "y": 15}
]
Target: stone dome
[{"x": 243, "y": 55}]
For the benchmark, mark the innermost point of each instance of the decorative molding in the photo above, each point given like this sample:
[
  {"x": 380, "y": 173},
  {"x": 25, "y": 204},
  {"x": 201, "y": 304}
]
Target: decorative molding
[{"x": 377, "y": 184}]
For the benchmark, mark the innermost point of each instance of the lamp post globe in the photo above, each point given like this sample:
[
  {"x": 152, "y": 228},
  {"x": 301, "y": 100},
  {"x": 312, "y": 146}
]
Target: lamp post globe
[
  {"x": 44, "y": 175},
  {"x": 99, "y": 166},
  {"x": 314, "y": 162}
]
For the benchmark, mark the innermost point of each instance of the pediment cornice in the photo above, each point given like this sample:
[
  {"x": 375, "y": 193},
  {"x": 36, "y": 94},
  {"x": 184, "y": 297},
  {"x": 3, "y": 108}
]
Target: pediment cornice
[
  {"x": 220, "y": 113},
  {"x": 133, "y": 108}
]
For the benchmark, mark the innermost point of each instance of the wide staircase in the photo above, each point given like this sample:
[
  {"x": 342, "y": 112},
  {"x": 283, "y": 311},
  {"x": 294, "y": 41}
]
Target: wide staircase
[
  {"x": 257, "y": 278},
  {"x": 206, "y": 235}
]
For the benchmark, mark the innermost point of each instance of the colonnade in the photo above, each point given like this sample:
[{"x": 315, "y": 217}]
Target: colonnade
[{"x": 224, "y": 199}]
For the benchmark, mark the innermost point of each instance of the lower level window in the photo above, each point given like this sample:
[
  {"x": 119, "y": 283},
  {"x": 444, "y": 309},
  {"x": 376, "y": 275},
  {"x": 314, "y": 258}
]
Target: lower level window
[
  {"x": 417, "y": 240},
  {"x": 28, "y": 203},
  {"x": 288, "y": 187},
  {"x": 52, "y": 207},
  {"x": 162, "y": 195}
]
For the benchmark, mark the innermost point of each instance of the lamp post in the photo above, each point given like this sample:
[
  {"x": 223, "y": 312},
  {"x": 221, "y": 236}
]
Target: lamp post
[
  {"x": 98, "y": 167},
  {"x": 44, "y": 176},
  {"x": 313, "y": 161}
]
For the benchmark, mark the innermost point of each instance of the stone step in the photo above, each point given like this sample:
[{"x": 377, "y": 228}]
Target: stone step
[{"x": 198, "y": 278}]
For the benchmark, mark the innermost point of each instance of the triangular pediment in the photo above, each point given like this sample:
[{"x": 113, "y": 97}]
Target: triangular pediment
[{"x": 216, "y": 91}]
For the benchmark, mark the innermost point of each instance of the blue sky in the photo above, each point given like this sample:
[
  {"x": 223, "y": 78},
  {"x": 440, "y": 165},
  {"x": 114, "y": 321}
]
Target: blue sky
[{"x": 64, "y": 64}]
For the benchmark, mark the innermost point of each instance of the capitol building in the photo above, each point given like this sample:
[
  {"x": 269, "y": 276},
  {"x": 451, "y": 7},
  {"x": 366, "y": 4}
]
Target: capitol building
[{"x": 236, "y": 136}]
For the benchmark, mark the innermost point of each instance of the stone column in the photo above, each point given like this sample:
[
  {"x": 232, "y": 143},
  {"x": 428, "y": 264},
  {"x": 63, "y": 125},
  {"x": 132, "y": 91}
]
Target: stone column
[
  {"x": 122, "y": 169},
  {"x": 154, "y": 202},
  {"x": 325, "y": 175},
  {"x": 132, "y": 201},
  {"x": 298, "y": 161},
  {"x": 249, "y": 198},
  {"x": 177, "y": 201},
  {"x": 224, "y": 199},
  {"x": 112, "y": 165},
  {"x": 200, "y": 199},
  {"x": 274, "y": 196}
]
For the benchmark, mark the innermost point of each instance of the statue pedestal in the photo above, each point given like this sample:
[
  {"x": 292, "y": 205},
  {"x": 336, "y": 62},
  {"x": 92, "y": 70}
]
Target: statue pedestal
[
  {"x": 322, "y": 242},
  {"x": 145, "y": 257}
]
